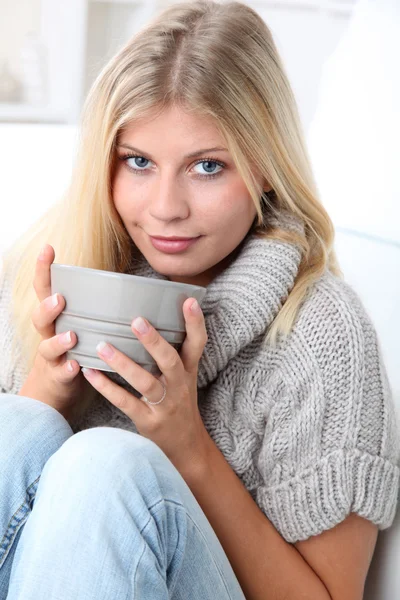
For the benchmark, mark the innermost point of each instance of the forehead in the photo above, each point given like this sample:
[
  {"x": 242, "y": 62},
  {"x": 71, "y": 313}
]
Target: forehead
[{"x": 173, "y": 124}]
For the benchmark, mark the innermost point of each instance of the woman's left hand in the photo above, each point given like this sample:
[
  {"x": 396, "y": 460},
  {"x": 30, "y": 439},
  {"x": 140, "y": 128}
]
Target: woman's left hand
[{"x": 175, "y": 424}]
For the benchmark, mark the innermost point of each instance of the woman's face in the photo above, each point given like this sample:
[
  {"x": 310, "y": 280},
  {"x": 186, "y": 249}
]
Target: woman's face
[{"x": 165, "y": 192}]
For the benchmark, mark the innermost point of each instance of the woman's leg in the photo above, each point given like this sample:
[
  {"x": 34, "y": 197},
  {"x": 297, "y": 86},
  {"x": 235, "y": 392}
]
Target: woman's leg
[
  {"x": 30, "y": 432},
  {"x": 113, "y": 518}
]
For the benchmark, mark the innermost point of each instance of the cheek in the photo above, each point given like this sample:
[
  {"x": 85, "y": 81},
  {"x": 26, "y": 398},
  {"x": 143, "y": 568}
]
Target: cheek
[
  {"x": 236, "y": 211},
  {"x": 124, "y": 197}
]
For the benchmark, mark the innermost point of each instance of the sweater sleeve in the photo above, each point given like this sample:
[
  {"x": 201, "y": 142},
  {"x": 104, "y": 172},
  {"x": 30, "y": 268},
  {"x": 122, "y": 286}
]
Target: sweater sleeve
[
  {"x": 12, "y": 374},
  {"x": 331, "y": 445}
]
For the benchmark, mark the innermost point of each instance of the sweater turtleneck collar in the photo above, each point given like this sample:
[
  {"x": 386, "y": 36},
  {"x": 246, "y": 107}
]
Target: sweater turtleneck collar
[{"x": 243, "y": 300}]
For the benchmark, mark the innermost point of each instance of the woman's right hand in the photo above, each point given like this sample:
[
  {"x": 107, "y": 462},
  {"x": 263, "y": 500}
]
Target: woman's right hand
[{"x": 50, "y": 379}]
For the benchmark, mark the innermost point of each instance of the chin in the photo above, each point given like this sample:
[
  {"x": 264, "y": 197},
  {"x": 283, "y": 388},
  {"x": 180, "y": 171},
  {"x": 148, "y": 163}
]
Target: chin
[
  {"x": 175, "y": 271},
  {"x": 174, "y": 266}
]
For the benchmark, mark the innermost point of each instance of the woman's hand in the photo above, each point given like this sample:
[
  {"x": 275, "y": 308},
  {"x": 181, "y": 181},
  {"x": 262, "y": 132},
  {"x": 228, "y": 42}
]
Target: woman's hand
[
  {"x": 52, "y": 379},
  {"x": 175, "y": 425}
]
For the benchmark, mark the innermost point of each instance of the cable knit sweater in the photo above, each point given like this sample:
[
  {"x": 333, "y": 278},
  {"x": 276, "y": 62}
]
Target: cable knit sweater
[{"x": 310, "y": 426}]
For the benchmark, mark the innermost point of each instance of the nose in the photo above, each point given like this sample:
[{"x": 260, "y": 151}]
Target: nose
[{"x": 168, "y": 199}]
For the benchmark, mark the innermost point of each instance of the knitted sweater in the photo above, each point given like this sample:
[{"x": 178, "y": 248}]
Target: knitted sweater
[{"x": 309, "y": 426}]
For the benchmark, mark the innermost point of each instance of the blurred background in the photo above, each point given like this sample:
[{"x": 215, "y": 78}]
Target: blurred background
[{"x": 341, "y": 57}]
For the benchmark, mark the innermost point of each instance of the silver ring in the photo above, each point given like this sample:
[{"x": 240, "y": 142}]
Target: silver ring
[{"x": 162, "y": 399}]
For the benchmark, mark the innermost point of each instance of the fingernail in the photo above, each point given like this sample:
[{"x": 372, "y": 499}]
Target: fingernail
[
  {"x": 66, "y": 338},
  {"x": 52, "y": 301},
  {"x": 88, "y": 373},
  {"x": 140, "y": 325},
  {"x": 105, "y": 349},
  {"x": 195, "y": 307}
]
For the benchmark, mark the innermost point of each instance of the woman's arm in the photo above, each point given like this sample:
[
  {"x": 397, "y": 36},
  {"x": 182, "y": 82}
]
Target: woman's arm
[
  {"x": 329, "y": 566},
  {"x": 267, "y": 567},
  {"x": 342, "y": 555}
]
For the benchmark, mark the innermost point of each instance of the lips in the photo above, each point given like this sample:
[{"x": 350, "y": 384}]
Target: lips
[
  {"x": 172, "y": 246},
  {"x": 172, "y": 239}
]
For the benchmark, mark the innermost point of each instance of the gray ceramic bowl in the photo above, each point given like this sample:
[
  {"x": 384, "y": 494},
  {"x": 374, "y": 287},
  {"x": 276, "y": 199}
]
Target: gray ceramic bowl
[{"x": 101, "y": 305}]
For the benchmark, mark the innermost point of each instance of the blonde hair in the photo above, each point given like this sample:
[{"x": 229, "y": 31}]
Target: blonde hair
[{"x": 213, "y": 59}]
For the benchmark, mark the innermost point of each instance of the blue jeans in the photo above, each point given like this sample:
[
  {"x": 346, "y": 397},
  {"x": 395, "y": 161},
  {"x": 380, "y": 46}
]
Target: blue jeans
[{"x": 100, "y": 514}]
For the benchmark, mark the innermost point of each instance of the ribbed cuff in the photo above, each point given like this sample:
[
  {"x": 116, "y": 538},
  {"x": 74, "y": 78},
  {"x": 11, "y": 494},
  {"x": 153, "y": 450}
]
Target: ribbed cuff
[{"x": 326, "y": 493}]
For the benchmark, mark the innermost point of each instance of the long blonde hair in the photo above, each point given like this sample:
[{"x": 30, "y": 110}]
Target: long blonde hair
[{"x": 218, "y": 60}]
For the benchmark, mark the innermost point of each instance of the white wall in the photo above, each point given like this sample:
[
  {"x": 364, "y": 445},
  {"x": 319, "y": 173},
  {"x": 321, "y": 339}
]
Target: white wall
[
  {"x": 354, "y": 146},
  {"x": 17, "y": 17},
  {"x": 354, "y": 136}
]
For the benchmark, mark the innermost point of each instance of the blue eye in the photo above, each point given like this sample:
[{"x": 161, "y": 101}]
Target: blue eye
[
  {"x": 140, "y": 158},
  {"x": 209, "y": 164},
  {"x": 140, "y": 169}
]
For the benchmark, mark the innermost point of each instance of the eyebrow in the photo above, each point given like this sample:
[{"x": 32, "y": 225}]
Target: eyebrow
[{"x": 191, "y": 155}]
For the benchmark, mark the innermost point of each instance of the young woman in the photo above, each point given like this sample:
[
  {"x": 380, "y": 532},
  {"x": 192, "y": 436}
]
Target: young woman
[{"x": 264, "y": 459}]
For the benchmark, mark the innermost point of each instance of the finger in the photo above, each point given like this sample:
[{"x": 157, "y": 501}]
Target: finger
[
  {"x": 140, "y": 379},
  {"x": 196, "y": 335},
  {"x": 165, "y": 355},
  {"x": 42, "y": 278},
  {"x": 134, "y": 408},
  {"x": 44, "y": 315},
  {"x": 63, "y": 374},
  {"x": 51, "y": 349}
]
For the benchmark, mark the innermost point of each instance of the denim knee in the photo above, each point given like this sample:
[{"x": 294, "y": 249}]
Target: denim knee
[
  {"x": 113, "y": 456},
  {"x": 105, "y": 447}
]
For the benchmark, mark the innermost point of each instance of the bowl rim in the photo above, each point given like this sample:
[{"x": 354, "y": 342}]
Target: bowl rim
[{"x": 128, "y": 277}]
